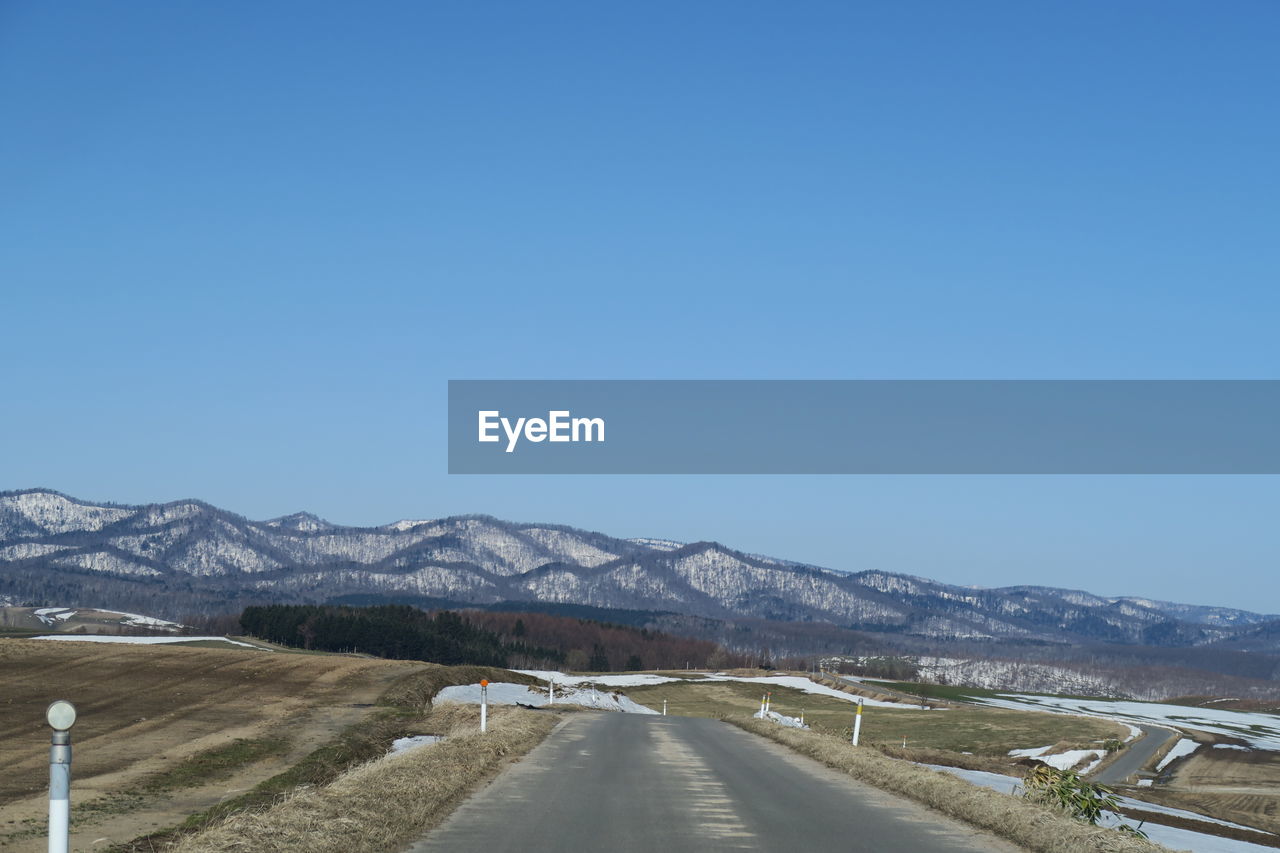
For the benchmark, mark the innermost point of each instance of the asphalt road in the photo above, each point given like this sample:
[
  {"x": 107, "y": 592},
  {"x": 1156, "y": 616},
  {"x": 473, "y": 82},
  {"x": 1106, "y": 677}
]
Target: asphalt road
[
  {"x": 1135, "y": 755},
  {"x": 629, "y": 783}
]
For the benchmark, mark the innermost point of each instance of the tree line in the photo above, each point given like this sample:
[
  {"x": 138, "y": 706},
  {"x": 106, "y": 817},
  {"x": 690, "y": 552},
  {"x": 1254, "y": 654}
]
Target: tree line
[
  {"x": 389, "y": 631},
  {"x": 590, "y": 645},
  {"x": 519, "y": 640}
]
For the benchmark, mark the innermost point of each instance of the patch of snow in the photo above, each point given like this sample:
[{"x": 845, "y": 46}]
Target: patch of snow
[
  {"x": 402, "y": 745},
  {"x": 53, "y": 615},
  {"x": 133, "y": 619},
  {"x": 1072, "y": 757},
  {"x": 1232, "y": 746},
  {"x": 1184, "y": 746},
  {"x": 1034, "y": 752},
  {"x": 1261, "y": 731},
  {"x": 780, "y": 719},
  {"x": 805, "y": 685},
  {"x": 1145, "y": 783},
  {"x": 994, "y": 781},
  {"x": 138, "y": 641},
  {"x": 504, "y": 693},
  {"x": 637, "y": 680}
]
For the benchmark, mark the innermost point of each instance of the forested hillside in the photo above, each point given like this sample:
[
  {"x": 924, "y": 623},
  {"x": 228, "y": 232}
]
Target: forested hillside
[
  {"x": 389, "y": 631},
  {"x": 517, "y": 640}
]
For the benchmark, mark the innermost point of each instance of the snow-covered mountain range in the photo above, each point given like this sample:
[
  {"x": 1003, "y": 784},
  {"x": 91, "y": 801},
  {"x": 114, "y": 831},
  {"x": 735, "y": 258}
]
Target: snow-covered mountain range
[{"x": 178, "y": 558}]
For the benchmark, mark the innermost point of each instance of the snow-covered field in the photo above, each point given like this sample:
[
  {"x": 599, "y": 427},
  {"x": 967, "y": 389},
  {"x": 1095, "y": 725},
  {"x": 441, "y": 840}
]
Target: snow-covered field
[
  {"x": 53, "y": 615},
  {"x": 504, "y": 693},
  {"x": 646, "y": 679},
  {"x": 1072, "y": 757},
  {"x": 1262, "y": 731},
  {"x": 802, "y": 684},
  {"x": 1185, "y": 746},
  {"x": 1177, "y": 839},
  {"x": 133, "y": 620},
  {"x": 140, "y": 641},
  {"x": 633, "y": 680}
]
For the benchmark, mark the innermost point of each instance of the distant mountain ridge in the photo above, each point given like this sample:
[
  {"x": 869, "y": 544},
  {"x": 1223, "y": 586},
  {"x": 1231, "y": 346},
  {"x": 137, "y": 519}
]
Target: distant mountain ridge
[{"x": 188, "y": 556}]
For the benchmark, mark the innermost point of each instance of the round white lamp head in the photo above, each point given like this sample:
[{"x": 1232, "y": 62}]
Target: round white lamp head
[{"x": 61, "y": 715}]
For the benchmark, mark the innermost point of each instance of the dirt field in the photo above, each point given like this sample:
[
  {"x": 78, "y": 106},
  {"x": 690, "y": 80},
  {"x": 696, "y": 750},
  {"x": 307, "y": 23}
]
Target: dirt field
[
  {"x": 164, "y": 731},
  {"x": 1231, "y": 784}
]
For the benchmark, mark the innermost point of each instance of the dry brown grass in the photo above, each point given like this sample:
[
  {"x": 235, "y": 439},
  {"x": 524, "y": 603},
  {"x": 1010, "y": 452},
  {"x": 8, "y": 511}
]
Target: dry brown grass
[
  {"x": 1243, "y": 787},
  {"x": 950, "y": 758},
  {"x": 384, "y": 804},
  {"x": 1036, "y": 828},
  {"x": 148, "y": 711},
  {"x": 140, "y": 701}
]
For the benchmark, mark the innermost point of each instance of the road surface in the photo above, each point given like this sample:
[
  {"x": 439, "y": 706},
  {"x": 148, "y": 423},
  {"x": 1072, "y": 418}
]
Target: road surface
[
  {"x": 629, "y": 783},
  {"x": 1136, "y": 754}
]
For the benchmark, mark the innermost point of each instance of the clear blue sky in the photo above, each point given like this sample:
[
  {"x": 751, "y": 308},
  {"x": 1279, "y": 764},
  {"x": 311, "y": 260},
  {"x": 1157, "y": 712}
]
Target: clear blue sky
[{"x": 243, "y": 246}]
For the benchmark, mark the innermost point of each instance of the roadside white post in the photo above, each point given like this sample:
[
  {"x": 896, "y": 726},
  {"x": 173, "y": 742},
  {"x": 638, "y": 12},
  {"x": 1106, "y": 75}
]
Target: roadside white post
[
  {"x": 664, "y": 707},
  {"x": 61, "y": 716},
  {"x": 857, "y": 723},
  {"x": 484, "y": 705},
  {"x": 552, "y": 700},
  {"x": 762, "y": 706},
  {"x": 768, "y": 701}
]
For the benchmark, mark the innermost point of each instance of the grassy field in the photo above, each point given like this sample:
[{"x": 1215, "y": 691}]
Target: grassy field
[{"x": 980, "y": 730}]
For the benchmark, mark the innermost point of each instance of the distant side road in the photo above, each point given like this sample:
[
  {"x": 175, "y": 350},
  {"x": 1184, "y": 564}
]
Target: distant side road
[{"x": 1135, "y": 755}]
